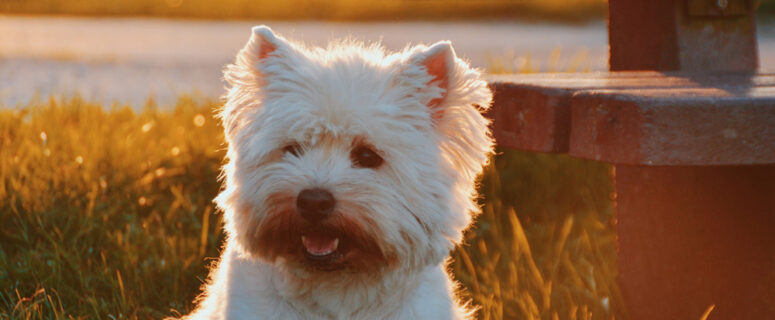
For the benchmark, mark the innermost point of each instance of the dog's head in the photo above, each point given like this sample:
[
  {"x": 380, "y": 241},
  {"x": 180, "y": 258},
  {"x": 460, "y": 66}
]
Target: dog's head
[{"x": 348, "y": 158}]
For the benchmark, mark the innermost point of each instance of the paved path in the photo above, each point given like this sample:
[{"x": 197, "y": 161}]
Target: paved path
[{"x": 127, "y": 60}]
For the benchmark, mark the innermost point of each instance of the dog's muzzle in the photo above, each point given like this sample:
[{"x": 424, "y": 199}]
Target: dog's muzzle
[{"x": 321, "y": 246}]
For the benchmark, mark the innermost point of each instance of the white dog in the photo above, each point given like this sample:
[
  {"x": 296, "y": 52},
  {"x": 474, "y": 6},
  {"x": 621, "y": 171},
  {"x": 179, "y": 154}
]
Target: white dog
[{"x": 351, "y": 176}]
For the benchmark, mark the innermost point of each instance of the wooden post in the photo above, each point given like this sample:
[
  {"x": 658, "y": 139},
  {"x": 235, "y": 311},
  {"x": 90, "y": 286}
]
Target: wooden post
[
  {"x": 695, "y": 236},
  {"x": 686, "y": 35},
  {"x": 691, "y": 236}
]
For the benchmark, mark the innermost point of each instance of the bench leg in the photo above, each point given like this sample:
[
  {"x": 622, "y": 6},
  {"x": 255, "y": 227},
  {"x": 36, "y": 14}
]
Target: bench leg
[{"x": 691, "y": 237}]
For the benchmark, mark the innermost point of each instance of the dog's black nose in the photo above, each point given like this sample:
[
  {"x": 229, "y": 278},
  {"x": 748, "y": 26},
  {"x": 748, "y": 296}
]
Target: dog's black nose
[{"x": 315, "y": 204}]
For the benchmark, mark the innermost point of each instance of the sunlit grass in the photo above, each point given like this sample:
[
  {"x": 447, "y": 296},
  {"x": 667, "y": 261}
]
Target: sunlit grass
[
  {"x": 544, "y": 246},
  {"x": 102, "y": 209},
  {"x": 319, "y": 9},
  {"x": 107, "y": 214}
]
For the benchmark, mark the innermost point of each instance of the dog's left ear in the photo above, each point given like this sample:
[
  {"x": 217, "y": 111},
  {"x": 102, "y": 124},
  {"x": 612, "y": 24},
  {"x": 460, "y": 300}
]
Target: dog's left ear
[{"x": 439, "y": 62}]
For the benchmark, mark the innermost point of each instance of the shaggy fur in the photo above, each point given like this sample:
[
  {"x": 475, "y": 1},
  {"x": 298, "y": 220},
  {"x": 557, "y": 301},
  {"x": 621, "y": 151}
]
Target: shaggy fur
[{"x": 294, "y": 117}]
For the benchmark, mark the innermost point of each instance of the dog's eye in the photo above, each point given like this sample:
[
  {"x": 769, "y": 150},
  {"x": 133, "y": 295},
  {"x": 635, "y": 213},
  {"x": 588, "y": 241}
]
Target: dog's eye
[
  {"x": 364, "y": 157},
  {"x": 294, "y": 149}
]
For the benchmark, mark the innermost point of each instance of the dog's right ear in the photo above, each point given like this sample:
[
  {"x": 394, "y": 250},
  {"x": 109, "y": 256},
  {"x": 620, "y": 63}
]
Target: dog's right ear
[
  {"x": 262, "y": 46},
  {"x": 264, "y": 54},
  {"x": 265, "y": 40},
  {"x": 263, "y": 43}
]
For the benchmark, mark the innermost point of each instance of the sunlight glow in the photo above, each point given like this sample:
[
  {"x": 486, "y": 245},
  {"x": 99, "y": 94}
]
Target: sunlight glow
[
  {"x": 199, "y": 120},
  {"x": 148, "y": 126}
]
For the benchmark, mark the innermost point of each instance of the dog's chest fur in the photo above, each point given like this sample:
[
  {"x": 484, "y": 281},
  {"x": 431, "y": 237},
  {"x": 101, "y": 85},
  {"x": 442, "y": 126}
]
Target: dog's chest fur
[{"x": 253, "y": 290}]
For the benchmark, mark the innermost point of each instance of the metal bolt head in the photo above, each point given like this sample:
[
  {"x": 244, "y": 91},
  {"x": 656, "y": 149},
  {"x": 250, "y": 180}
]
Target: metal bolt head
[{"x": 722, "y": 4}]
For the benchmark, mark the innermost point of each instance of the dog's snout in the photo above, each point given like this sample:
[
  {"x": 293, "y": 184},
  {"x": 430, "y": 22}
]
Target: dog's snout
[{"x": 315, "y": 204}]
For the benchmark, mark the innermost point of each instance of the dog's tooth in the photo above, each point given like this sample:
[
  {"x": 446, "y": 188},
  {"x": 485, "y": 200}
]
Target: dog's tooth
[
  {"x": 322, "y": 253},
  {"x": 333, "y": 246}
]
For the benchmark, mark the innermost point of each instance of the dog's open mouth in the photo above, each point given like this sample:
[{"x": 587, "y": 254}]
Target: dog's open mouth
[
  {"x": 322, "y": 250},
  {"x": 320, "y": 245},
  {"x": 331, "y": 245}
]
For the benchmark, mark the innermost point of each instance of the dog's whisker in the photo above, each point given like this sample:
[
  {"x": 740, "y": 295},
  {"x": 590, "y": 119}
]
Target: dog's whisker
[{"x": 416, "y": 218}]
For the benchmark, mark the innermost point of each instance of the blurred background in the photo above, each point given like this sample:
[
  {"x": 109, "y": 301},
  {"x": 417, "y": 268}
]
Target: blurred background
[
  {"x": 129, "y": 50},
  {"x": 109, "y": 151}
]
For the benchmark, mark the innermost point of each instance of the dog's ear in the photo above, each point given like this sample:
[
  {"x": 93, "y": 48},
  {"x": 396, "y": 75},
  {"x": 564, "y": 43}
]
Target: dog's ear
[
  {"x": 263, "y": 45},
  {"x": 264, "y": 54},
  {"x": 439, "y": 62},
  {"x": 266, "y": 40}
]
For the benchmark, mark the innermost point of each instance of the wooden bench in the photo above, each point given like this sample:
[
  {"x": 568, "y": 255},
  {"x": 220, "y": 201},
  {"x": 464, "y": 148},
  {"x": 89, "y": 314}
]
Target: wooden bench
[{"x": 692, "y": 144}]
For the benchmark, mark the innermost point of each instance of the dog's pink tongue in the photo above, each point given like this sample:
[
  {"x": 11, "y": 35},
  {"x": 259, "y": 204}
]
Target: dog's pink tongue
[{"x": 319, "y": 244}]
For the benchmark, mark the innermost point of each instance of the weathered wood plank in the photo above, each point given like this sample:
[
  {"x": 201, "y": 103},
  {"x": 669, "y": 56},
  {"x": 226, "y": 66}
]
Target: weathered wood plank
[
  {"x": 698, "y": 126},
  {"x": 645, "y": 118}
]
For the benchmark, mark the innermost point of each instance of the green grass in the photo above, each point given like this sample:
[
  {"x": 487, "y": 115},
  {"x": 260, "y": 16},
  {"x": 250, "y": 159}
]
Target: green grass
[
  {"x": 568, "y": 10},
  {"x": 107, "y": 214}
]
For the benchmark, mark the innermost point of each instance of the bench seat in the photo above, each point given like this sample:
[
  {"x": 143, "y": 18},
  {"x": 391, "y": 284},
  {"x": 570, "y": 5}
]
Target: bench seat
[{"x": 694, "y": 173}]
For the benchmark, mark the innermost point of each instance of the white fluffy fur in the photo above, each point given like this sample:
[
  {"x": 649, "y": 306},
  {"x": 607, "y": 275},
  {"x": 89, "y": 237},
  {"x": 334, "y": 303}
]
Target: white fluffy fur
[{"x": 415, "y": 207}]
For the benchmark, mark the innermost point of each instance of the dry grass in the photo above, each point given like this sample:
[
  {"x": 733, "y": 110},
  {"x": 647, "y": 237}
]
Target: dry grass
[
  {"x": 544, "y": 246},
  {"x": 107, "y": 214}
]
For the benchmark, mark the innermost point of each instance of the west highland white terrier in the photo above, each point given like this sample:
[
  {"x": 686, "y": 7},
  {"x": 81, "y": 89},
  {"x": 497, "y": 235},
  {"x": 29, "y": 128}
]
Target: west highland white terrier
[{"x": 350, "y": 178}]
